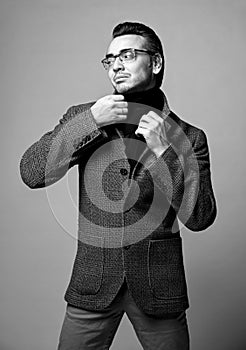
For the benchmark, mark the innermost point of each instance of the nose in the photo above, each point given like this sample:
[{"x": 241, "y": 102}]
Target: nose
[{"x": 117, "y": 65}]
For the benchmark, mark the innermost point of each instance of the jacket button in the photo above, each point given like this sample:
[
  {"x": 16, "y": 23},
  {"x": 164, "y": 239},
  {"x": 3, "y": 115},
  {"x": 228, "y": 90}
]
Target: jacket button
[
  {"x": 123, "y": 171},
  {"x": 126, "y": 247}
]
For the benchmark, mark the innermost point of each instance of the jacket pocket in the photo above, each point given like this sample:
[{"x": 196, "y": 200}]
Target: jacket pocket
[
  {"x": 88, "y": 268},
  {"x": 166, "y": 269}
]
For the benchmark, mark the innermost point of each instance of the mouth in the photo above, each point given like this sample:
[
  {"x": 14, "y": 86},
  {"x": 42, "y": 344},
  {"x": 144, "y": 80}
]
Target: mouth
[{"x": 120, "y": 77}]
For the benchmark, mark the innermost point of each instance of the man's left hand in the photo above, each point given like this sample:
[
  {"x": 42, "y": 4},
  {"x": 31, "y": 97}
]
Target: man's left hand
[{"x": 152, "y": 128}]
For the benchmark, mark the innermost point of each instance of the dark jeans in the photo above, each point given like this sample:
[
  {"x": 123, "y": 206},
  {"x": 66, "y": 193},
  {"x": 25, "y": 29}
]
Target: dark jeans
[{"x": 95, "y": 330}]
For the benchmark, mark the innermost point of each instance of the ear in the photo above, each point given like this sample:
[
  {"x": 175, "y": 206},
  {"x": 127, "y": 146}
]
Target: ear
[{"x": 157, "y": 63}]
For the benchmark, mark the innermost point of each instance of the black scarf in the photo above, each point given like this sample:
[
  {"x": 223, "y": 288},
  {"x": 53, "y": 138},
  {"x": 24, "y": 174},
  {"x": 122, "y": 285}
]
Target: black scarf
[{"x": 139, "y": 103}]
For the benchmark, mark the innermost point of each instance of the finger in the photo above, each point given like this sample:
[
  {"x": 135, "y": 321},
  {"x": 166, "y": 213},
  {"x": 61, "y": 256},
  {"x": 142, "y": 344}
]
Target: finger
[
  {"x": 121, "y": 104},
  {"x": 118, "y": 97},
  {"x": 141, "y": 131},
  {"x": 143, "y": 124},
  {"x": 144, "y": 118},
  {"x": 147, "y": 118},
  {"x": 155, "y": 116},
  {"x": 148, "y": 129},
  {"x": 140, "y": 136},
  {"x": 151, "y": 122},
  {"x": 119, "y": 118},
  {"x": 148, "y": 123},
  {"x": 122, "y": 111}
]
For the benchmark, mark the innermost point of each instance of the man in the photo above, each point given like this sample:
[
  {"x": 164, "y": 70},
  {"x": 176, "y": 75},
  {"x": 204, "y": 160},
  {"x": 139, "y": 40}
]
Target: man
[{"x": 141, "y": 168}]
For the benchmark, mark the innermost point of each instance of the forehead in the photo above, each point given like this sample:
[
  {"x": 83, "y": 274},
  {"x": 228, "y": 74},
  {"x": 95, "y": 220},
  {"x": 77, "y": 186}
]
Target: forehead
[{"x": 125, "y": 42}]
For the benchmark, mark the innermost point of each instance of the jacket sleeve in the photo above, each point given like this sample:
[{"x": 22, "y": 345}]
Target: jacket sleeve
[
  {"x": 48, "y": 159},
  {"x": 185, "y": 180}
]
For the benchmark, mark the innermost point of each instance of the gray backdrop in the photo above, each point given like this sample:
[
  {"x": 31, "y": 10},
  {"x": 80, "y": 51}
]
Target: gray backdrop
[{"x": 50, "y": 53}]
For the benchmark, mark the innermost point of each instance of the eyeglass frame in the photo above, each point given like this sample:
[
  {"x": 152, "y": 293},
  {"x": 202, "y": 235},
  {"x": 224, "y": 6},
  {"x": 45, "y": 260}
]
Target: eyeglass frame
[{"x": 134, "y": 51}]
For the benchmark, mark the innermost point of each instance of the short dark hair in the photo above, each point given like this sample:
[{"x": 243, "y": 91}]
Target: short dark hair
[{"x": 152, "y": 41}]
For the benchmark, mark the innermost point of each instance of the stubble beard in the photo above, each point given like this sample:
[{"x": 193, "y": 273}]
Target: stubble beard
[{"x": 125, "y": 88}]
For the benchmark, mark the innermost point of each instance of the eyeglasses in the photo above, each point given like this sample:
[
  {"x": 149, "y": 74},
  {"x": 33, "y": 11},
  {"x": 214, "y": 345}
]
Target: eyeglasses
[{"x": 125, "y": 56}]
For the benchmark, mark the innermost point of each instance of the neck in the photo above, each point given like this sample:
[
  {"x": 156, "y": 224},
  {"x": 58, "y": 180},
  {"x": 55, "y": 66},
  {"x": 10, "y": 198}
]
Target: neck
[
  {"x": 153, "y": 97},
  {"x": 133, "y": 96}
]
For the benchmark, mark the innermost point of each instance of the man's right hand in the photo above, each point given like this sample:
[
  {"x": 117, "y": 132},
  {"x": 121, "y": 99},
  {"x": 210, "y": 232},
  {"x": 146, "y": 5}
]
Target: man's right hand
[{"x": 110, "y": 109}]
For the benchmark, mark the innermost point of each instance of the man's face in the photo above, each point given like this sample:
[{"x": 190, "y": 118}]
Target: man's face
[{"x": 132, "y": 76}]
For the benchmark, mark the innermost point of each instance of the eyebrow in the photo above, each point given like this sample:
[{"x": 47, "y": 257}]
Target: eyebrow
[{"x": 112, "y": 55}]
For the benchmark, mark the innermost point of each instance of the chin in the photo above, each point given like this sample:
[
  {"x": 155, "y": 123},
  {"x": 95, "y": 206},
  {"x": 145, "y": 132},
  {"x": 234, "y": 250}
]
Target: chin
[
  {"x": 126, "y": 89},
  {"x": 122, "y": 88}
]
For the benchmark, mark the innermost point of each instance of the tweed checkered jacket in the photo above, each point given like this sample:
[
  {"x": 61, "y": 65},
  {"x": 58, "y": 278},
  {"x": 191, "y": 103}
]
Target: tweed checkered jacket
[{"x": 128, "y": 227}]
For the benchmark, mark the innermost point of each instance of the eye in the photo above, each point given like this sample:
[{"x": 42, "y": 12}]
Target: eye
[
  {"x": 110, "y": 60},
  {"x": 127, "y": 55}
]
